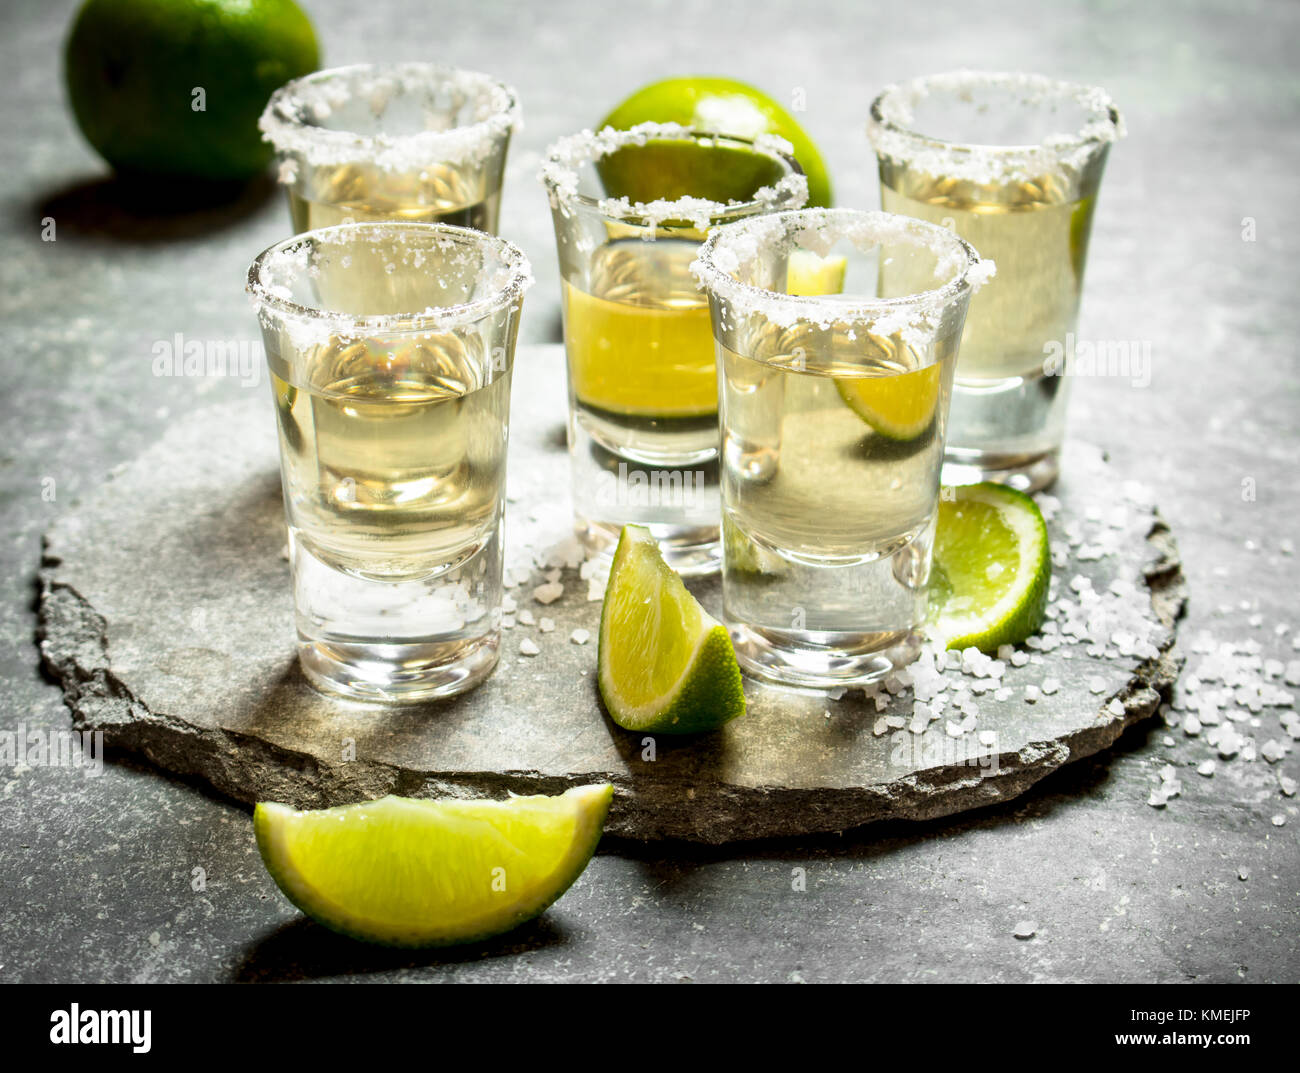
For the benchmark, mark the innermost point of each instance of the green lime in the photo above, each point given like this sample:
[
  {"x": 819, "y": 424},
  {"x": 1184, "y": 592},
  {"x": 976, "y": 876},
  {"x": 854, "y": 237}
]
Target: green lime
[
  {"x": 900, "y": 406},
  {"x": 414, "y": 873},
  {"x": 664, "y": 664},
  {"x": 808, "y": 274},
  {"x": 672, "y": 170},
  {"x": 724, "y": 106},
  {"x": 175, "y": 87},
  {"x": 992, "y": 568},
  {"x": 745, "y": 556}
]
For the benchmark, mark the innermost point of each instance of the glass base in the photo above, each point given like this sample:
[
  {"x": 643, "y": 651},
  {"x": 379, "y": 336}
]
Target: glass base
[
  {"x": 1025, "y": 473},
  {"x": 691, "y": 550},
  {"x": 398, "y": 641},
  {"x": 806, "y": 659},
  {"x": 397, "y": 674}
]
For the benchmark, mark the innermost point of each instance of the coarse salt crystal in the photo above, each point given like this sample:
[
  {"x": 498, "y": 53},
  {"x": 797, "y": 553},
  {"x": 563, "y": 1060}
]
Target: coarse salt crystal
[{"x": 548, "y": 593}]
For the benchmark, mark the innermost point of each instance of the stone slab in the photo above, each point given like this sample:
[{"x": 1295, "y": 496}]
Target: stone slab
[{"x": 166, "y": 616}]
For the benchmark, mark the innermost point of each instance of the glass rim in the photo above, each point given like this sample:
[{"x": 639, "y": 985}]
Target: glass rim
[
  {"x": 893, "y": 134},
  {"x": 559, "y": 174},
  {"x": 287, "y": 129},
  {"x": 970, "y": 271},
  {"x": 515, "y": 265}
]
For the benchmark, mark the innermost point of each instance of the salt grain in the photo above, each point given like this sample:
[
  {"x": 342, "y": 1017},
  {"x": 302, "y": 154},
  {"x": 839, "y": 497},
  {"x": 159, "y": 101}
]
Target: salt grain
[{"x": 548, "y": 593}]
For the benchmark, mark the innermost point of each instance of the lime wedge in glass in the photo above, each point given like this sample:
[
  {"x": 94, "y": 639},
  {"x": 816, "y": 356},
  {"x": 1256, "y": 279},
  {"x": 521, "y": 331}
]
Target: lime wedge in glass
[
  {"x": 808, "y": 274},
  {"x": 728, "y": 106},
  {"x": 414, "y": 873},
  {"x": 665, "y": 665},
  {"x": 900, "y": 406},
  {"x": 665, "y": 170}
]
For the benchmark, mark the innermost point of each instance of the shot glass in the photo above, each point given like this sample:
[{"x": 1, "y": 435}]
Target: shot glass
[
  {"x": 410, "y": 142},
  {"x": 390, "y": 348},
  {"x": 631, "y": 209},
  {"x": 1013, "y": 164},
  {"x": 833, "y": 411}
]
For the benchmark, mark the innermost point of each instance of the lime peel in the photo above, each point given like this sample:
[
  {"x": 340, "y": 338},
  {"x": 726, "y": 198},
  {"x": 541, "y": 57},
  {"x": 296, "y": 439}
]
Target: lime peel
[
  {"x": 421, "y": 873},
  {"x": 724, "y": 104},
  {"x": 992, "y": 568}
]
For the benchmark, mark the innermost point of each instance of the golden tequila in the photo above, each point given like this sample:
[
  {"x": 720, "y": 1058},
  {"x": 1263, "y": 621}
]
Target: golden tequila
[{"x": 640, "y": 350}]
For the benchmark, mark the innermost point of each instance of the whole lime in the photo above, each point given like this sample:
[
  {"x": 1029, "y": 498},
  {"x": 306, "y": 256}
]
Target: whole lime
[
  {"x": 724, "y": 106},
  {"x": 175, "y": 87}
]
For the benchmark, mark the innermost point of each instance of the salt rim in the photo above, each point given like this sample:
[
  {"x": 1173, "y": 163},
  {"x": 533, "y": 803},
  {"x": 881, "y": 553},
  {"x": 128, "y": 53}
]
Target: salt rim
[
  {"x": 283, "y": 122},
  {"x": 515, "y": 277},
  {"x": 559, "y": 173},
  {"x": 1059, "y": 154},
  {"x": 733, "y": 245}
]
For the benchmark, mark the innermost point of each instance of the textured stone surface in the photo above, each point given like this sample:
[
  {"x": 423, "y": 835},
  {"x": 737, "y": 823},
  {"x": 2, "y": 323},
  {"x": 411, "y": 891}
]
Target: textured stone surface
[
  {"x": 166, "y": 614},
  {"x": 98, "y": 879}
]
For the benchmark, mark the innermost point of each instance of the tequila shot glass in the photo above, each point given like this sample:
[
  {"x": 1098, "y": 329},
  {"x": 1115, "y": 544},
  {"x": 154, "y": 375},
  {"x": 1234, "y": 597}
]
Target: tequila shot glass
[
  {"x": 1012, "y": 163},
  {"x": 630, "y": 210},
  {"x": 410, "y": 143},
  {"x": 833, "y": 411},
  {"x": 390, "y": 348}
]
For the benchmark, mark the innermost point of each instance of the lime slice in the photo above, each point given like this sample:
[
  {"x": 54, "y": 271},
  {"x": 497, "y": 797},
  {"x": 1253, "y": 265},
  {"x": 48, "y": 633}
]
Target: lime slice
[
  {"x": 431, "y": 873},
  {"x": 640, "y": 360},
  {"x": 808, "y": 274},
  {"x": 665, "y": 665},
  {"x": 728, "y": 106},
  {"x": 900, "y": 406},
  {"x": 669, "y": 170},
  {"x": 744, "y": 556},
  {"x": 992, "y": 567},
  {"x": 1080, "y": 229}
]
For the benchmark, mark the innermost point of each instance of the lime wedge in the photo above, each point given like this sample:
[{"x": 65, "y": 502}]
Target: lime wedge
[
  {"x": 669, "y": 170},
  {"x": 745, "y": 556},
  {"x": 723, "y": 104},
  {"x": 808, "y": 274},
  {"x": 1080, "y": 229},
  {"x": 414, "y": 873},
  {"x": 992, "y": 567},
  {"x": 900, "y": 406},
  {"x": 665, "y": 665}
]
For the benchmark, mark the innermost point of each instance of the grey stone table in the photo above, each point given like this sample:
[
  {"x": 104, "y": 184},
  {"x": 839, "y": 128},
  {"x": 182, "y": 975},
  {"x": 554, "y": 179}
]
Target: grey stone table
[
  {"x": 132, "y": 875},
  {"x": 167, "y": 618}
]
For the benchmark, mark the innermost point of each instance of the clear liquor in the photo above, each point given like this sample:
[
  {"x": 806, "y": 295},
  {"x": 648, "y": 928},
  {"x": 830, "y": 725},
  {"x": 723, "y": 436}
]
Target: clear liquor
[
  {"x": 832, "y": 451},
  {"x": 391, "y": 391},
  {"x": 393, "y": 460},
  {"x": 393, "y": 456},
  {"x": 362, "y": 193},
  {"x": 1005, "y": 409}
]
